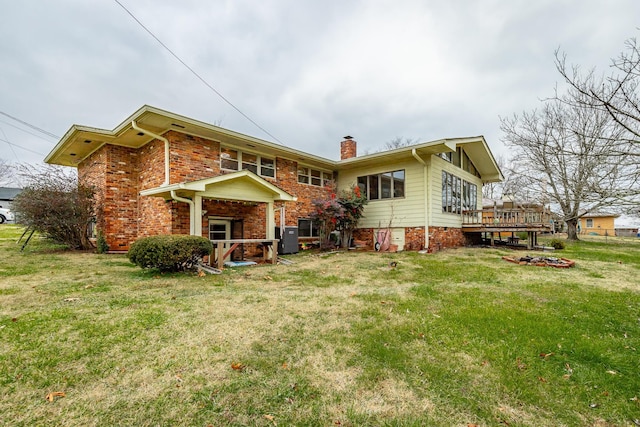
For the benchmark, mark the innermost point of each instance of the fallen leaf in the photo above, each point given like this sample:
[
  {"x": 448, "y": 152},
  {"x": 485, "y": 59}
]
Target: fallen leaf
[
  {"x": 634, "y": 399},
  {"x": 268, "y": 278},
  {"x": 15, "y": 319},
  {"x": 566, "y": 376},
  {"x": 285, "y": 366},
  {"x": 271, "y": 418},
  {"x": 89, "y": 286},
  {"x": 71, "y": 299},
  {"x": 568, "y": 368},
  {"x": 520, "y": 364},
  {"x": 52, "y": 396},
  {"x": 237, "y": 366},
  {"x": 612, "y": 372},
  {"x": 542, "y": 380},
  {"x": 593, "y": 405},
  {"x": 546, "y": 355},
  {"x": 201, "y": 274}
]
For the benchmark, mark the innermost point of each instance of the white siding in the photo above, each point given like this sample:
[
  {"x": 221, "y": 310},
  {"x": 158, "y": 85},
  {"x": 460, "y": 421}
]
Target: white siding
[
  {"x": 402, "y": 212},
  {"x": 410, "y": 210}
]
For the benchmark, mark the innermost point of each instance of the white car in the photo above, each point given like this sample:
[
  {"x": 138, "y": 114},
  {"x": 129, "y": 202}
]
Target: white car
[{"x": 6, "y": 215}]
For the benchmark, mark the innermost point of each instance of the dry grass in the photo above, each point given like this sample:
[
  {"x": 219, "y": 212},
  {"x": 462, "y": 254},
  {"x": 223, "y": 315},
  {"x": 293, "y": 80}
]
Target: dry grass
[{"x": 342, "y": 339}]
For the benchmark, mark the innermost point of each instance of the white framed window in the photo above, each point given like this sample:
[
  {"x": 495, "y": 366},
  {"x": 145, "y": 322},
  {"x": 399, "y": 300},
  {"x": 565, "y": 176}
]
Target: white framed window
[
  {"x": 589, "y": 223},
  {"x": 387, "y": 185},
  {"x": 313, "y": 176},
  {"x": 228, "y": 159},
  {"x": 235, "y": 160}
]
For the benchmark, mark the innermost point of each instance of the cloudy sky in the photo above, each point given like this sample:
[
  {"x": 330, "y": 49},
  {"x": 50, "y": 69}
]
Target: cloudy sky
[{"x": 309, "y": 72}]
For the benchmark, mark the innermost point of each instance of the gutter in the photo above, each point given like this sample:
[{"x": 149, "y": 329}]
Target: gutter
[
  {"x": 166, "y": 150},
  {"x": 427, "y": 196}
]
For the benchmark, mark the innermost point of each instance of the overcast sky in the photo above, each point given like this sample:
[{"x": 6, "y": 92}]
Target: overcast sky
[{"x": 309, "y": 72}]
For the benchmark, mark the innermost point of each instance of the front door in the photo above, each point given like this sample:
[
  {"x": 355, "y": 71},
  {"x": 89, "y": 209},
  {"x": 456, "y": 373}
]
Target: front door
[{"x": 220, "y": 229}]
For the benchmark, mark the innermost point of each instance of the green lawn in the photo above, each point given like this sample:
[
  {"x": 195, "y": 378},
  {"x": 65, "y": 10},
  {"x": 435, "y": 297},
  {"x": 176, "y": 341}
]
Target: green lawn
[{"x": 450, "y": 339}]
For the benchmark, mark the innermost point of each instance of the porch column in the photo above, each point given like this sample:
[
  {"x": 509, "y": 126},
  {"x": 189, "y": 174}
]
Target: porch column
[
  {"x": 197, "y": 200},
  {"x": 270, "y": 220}
]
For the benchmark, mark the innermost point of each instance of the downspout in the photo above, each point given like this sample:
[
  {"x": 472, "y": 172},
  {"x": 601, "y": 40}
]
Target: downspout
[
  {"x": 192, "y": 211},
  {"x": 427, "y": 196},
  {"x": 174, "y": 196},
  {"x": 166, "y": 150}
]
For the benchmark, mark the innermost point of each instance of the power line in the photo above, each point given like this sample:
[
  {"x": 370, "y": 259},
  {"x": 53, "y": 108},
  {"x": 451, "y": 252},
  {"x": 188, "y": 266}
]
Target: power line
[
  {"x": 25, "y": 131},
  {"x": 195, "y": 73},
  {"x": 30, "y": 125},
  {"x": 23, "y": 148},
  {"x": 6, "y": 140}
]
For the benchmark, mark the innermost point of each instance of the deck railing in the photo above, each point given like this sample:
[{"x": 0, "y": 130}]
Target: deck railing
[{"x": 507, "y": 217}]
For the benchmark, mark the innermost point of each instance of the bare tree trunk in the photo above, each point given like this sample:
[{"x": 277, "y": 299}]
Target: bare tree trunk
[{"x": 572, "y": 229}]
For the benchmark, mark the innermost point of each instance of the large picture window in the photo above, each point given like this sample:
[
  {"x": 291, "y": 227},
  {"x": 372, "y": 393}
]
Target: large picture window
[
  {"x": 237, "y": 160},
  {"x": 387, "y": 185},
  {"x": 458, "y": 195}
]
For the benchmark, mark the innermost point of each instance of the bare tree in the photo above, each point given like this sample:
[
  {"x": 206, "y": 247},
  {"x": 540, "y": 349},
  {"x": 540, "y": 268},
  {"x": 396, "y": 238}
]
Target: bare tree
[
  {"x": 55, "y": 205},
  {"x": 574, "y": 150},
  {"x": 6, "y": 172},
  {"x": 616, "y": 94},
  {"x": 398, "y": 142}
]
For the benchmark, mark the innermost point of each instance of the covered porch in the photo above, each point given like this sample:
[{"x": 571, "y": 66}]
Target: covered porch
[{"x": 233, "y": 210}]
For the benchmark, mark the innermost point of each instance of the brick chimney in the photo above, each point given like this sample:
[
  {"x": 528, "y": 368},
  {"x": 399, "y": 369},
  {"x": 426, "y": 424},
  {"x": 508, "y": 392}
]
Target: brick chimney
[{"x": 348, "y": 148}]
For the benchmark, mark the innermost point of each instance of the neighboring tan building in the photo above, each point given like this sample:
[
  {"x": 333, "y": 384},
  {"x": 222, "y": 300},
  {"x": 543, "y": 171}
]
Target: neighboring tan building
[
  {"x": 161, "y": 173},
  {"x": 598, "y": 223}
]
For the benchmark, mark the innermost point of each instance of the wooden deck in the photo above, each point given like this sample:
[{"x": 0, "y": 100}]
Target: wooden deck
[{"x": 509, "y": 221}]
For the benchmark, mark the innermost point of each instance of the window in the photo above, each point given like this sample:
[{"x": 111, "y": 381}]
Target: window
[
  {"x": 469, "y": 196},
  {"x": 306, "y": 228},
  {"x": 460, "y": 159},
  {"x": 229, "y": 159},
  {"x": 446, "y": 156},
  {"x": 250, "y": 162},
  {"x": 237, "y": 160},
  {"x": 267, "y": 167},
  {"x": 589, "y": 223},
  {"x": 458, "y": 195},
  {"x": 313, "y": 176},
  {"x": 388, "y": 185}
]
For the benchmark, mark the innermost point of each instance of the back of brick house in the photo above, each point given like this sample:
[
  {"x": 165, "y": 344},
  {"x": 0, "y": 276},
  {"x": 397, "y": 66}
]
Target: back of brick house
[{"x": 222, "y": 184}]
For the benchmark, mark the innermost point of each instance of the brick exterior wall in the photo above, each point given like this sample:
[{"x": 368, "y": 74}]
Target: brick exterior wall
[
  {"x": 413, "y": 238},
  {"x": 445, "y": 237},
  {"x": 192, "y": 158},
  {"x": 119, "y": 174},
  {"x": 113, "y": 170},
  {"x": 287, "y": 180}
]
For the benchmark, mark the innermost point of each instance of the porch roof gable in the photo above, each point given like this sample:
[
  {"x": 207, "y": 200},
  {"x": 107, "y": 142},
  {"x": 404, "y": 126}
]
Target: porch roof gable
[{"x": 243, "y": 185}]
